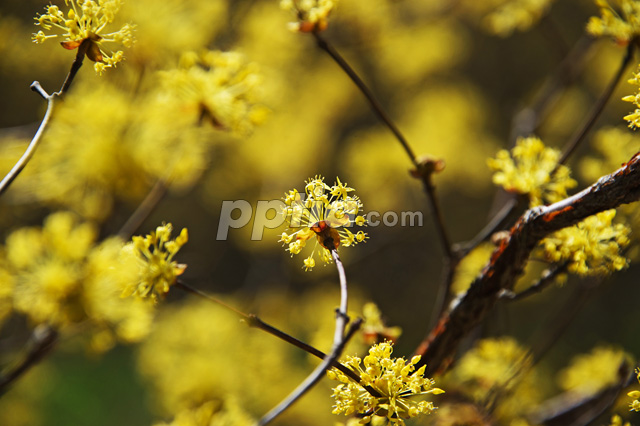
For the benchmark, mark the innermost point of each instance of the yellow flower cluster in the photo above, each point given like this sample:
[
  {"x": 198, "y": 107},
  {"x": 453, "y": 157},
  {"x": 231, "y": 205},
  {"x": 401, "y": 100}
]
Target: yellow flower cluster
[
  {"x": 85, "y": 22},
  {"x": 154, "y": 253},
  {"x": 56, "y": 275},
  {"x": 312, "y": 15},
  {"x": 621, "y": 26},
  {"x": 634, "y": 117},
  {"x": 590, "y": 373},
  {"x": 220, "y": 88},
  {"x": 499, "y": 364},
  {"x": 516, "y": 15},
  {"x": 635, "y": 404},
  {"x": 395, "y": 380},
  {"x": 592, "y": 247},
  {"x": 528, "y": 170},
  {"x": 210, "y": 413},
  {"x": 326, "y": 213},
  {"x": 46, "y": 268}
]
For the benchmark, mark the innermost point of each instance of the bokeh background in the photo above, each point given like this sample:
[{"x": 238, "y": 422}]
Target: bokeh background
[{"x": 453, "y": 86}]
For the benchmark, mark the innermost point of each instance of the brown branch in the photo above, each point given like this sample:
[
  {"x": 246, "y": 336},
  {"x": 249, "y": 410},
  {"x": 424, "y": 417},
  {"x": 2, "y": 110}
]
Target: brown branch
[
  {"x": 43, "y": 340},
  {"x": 339, "y": 342},
  {"x": 527, "y": 120},
  {"x": 548, "y": 277},
  {"x": 419, "y": 169},
  {"x": 597, "y": 109},
  {"x": 145, "y": 208},
  {"x": 509, "y": 259},
  {"x": 254, "y": 321},
  {"x": 37, "y": 138},
  {"x": 570, "y": 409}
]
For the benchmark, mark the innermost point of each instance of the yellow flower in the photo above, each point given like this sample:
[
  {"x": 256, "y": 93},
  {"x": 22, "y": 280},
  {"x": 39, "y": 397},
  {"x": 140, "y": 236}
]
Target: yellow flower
[
  {"x": 527, "y": 170},
  {"x": 635, "y": 404},
  {"x": 85, "y": 22},
  {"x": 211, "y": 413},
  {"x": 394, "y": 379},
  {"x": 616, "y": 420},
  {"x": 127, "y": 319},
  {"x": 499, "y": 363},
  {"x": 516, "y": 15},
  {"x": 154, "y": 255},
  {"x": 312, "y": 15},
  {"x": 46, "y": 268},
  {"x": 221, "y": 88},
  {"x": 621, "y": 26},
  {"x": 590, "y": 373},
  {"x": 592, "y": 247},
  {"x": 634, "y": 117},
  {"x": 326, "y": 213}
]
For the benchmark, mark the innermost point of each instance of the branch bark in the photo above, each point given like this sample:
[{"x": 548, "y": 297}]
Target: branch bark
[{"x": 509, "y": 259}]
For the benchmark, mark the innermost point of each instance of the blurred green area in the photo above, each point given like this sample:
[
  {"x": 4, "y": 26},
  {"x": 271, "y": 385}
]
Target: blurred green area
[{"x": 453, "y": 89}]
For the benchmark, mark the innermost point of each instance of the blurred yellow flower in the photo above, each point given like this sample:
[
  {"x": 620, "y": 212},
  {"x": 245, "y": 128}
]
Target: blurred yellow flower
[
  {"x": 220, "y": 88},
  {"x": 517, "y": 15},
  {"x": 590, "y": 373},
  {"x": 528, "y": 170},
  {"x": 616, "y": 420},
  {"x": 57, "y": 276},
  {"x": 85, "y": 22},
  {"x": 496, "y": 364},
  {"x": 592, "y": 247},
  {"x": 622, "y": 27},
  {"x": 395, "y": 380},
  {"x": 113, "y": 317},
  {"x": 46, "y": 268},
  {"x": 210, "y": 414},
  {"x": 326, "y": 212},
  {"x": 312, "y": 15}
]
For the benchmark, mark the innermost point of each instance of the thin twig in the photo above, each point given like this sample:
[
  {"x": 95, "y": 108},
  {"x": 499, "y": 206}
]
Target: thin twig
[
  {"x": 37, "y": 138},
  {"x": 597, "y": 109},
  {"x": 386, "y": 119},
  {"x": 497, "y": 222},
  {"x": 339, "y": 341},
  {"x": 35, "y": 142},
  {"x": 255, "y": 322},
  {"x": 527, "y": 120},
  {"x": 548, "y": 277},
  {"x": 561, "y": 321},
  {"x": 145, "y": 208},
  {"x": 43, "y": 340}
]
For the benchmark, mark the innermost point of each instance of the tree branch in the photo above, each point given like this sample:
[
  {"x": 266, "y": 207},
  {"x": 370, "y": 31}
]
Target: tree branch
[
  {"x": 424, "y": 174},
  {"x": 509, "y": 259},
  {"x": 43, "y": 340},
  {"x": 339, "y": 341},
  {"x": 37, "y": 138}
]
